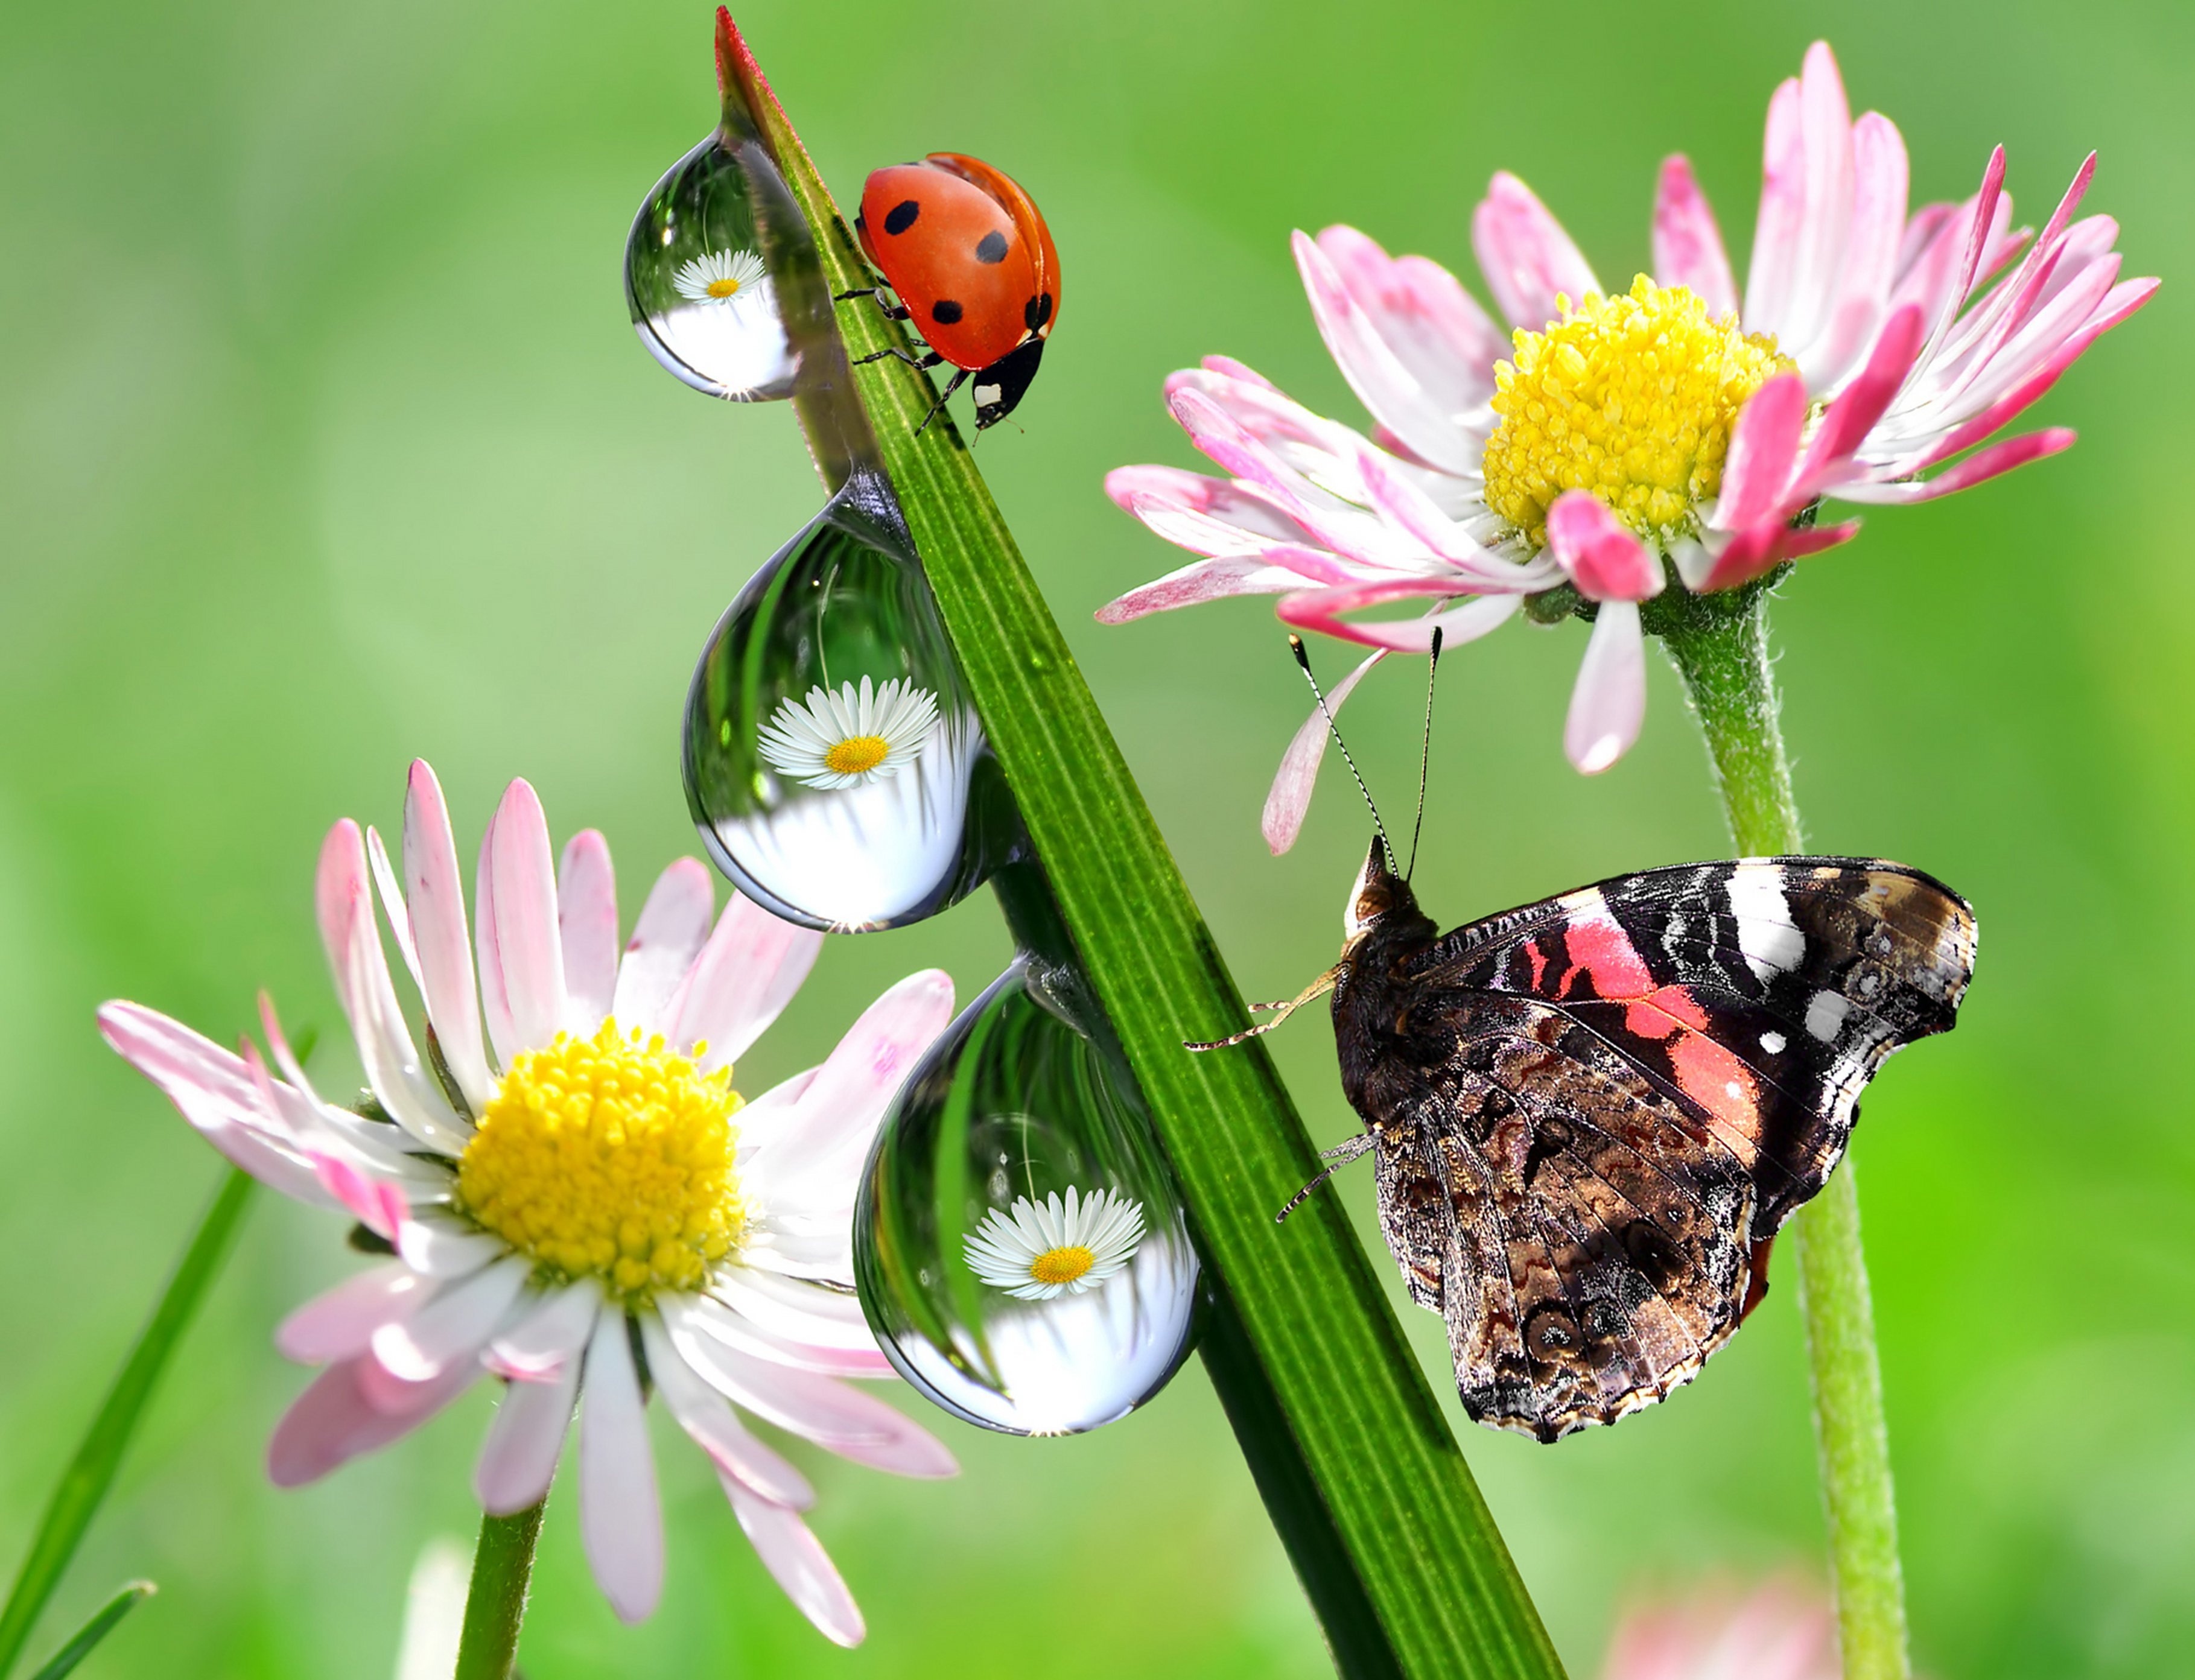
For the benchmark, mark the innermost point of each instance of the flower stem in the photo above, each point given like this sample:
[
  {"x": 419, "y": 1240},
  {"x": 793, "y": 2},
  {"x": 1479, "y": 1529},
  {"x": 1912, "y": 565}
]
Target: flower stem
[
  {"x": 1720, "y": 647},
  {"x": 495, "y": 1604},
  {"x": 90, "y": 1474}
]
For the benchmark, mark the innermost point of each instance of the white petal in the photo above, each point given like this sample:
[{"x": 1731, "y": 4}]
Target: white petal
[
  {"x": 518, "y": 1460},
  {"x": 621, "y": 1517}
]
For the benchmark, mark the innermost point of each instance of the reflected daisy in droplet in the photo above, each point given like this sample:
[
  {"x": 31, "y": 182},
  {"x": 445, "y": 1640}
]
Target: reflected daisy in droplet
[
  {"x": 854, "y": 736},
  {"x": 573, "y": 1195},
  {"x": 721, "y": 277},
  {"x": 1053, "y": 1247}
]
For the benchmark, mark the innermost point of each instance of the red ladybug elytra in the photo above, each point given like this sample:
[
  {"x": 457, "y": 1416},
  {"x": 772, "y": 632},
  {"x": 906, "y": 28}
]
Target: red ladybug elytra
[{"x": 975, "y": 269}]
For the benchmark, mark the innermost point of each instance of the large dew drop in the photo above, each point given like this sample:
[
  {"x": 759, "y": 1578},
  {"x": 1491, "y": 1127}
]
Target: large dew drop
[
  {"x": 1019, "y": 1248},
  {"x": 704, "y": 267},
  {"x": 834, "y": 764}
]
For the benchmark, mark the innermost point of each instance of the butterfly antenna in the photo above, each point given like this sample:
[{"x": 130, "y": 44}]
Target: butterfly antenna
[
  {"x": 1425, "y": 753},
  {"x": 1302, "y": 659}
]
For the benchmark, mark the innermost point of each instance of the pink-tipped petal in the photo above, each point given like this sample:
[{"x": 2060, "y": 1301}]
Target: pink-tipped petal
[
  {"x": 587, "y": 928},
  {"x": 1436, "y": 328},
  {"x": 434, "y": 895},
  {"x": 520, "y": 946},
  {"x": 1977, "y": 468},
  {"x": 708, "y": 1419},
  {"x": 1141, "y": 490},
  {"x": 1528, "y": 259},
  {"x": 719, "y": 1322},
  {"x": 796, "y": 1562},
  {"x": 1321, "y": 610},
  {"x": 1688, "y": 248},
  {"x": 1290, "y": 796},
  {"x": 518, "y": 1460},
  {"x": 1602, "y": 556},
  {"x": 841, "y": 1419},
  {"x": 392, "y": 1066},
  {"x": 791, "y": 1308},
  {"x": 1764, "y": 449},
  {"x": 213, "y": 1091},
  {"x": 669, "y": 935},
  {"x": 744, "y": 978},
  {"x": 1858, "y": 302},
  {"x": 1608, "y": 703},
  {"x": 1203, "y": 580},
  {"x": 339, "y": 1323},
  {"x": 551, "y": 1334},
  {"x": 1768, "y": 282},
  {"x": 1390, "y": 391},
  {"x": 453, "y": 1326},
  {"x": 380, "y": 1207},
  {"x": 392, "y": 904},
  {"x": 839, "y": 1111},
  {"x": 1825, "y": 130},
  {"x": 333, "y": 1421},
  {"x": 621, "y": 1517},
  {"x": 1847, "y": 421}
]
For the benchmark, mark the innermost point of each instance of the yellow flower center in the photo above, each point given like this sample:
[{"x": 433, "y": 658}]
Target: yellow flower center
[
  {"x": 1630, "y": 397},
  {"x": 1062, "y": 1265},
  {"x": 856, "y": 754},
  {"x": 610, "y": 1157},
  {"x": 727, "y": 287}
]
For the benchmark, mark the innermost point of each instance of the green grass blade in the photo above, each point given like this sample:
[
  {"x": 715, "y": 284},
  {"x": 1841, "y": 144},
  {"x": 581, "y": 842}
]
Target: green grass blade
[
  {"x": 1367, "y": 1485},
  {"x": 110, "y": 1612},
  {"x": 84, "y": 1483}
]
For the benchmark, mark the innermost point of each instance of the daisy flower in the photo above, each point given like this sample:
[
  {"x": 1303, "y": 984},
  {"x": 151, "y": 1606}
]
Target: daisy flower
[
  {"x": 853, "y": 736},
  {"x": 721, "y": 277},
  {"x": 571, "y": 1192},
  {"x": 1669, "y": 434},
  {"x": 1045, "y": 1249},
  {"x": 1780, "y": 1631}
]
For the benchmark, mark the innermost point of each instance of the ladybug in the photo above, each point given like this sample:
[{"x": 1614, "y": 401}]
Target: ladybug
[{"x": 975, "y": 269}]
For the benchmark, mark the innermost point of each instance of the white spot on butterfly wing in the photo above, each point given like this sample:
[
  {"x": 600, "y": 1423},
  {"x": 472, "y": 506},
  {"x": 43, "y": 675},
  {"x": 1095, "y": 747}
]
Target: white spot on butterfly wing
[
  {"x": 1771, "y": 946},
  {"x": 1826, "y": 1012},
  {"x": 1773, "y": 1042}
]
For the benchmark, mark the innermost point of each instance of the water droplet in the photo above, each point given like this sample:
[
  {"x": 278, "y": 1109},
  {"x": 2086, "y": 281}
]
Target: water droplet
[
  {"x": 703, "y": 267},
  {"x": 834, "y": 763},
  {"x": 1080, "y": 1214}
]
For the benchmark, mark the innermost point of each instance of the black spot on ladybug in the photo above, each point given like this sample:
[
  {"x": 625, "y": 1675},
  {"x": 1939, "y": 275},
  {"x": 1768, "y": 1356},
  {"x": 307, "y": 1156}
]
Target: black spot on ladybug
[
  {"x": 992, "y": 247},
  {"x": 901, "y": 216},
  {"x": 945, "y": 312},
  {"x": 1037, "y": 311}
]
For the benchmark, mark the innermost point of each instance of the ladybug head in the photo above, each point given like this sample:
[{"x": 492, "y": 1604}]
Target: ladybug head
[{"x": 1000, "y": 387}]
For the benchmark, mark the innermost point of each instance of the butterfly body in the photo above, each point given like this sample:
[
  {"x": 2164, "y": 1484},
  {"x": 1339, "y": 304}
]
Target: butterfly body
[{"x": 1588, "y": 1115}]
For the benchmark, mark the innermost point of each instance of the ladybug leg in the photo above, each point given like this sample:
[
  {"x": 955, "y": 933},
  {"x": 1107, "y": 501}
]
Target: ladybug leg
[
  {"x": 937, "y": 407},
  {"x": 931, "y": 359},
  {"x": 892, "y": 312}
]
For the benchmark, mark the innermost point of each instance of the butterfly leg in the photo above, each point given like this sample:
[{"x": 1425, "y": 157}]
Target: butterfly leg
[
  {"x": 1340, "y": 1154},
  {"x": 1318, "y": 988}
]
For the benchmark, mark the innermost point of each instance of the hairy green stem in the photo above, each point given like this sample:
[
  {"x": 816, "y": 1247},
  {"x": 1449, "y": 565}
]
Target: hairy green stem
[
  {"x": 90, "y": 1473},
  {"x": 495, "y": 1603},
  {"x": 1720, "y": 646}
]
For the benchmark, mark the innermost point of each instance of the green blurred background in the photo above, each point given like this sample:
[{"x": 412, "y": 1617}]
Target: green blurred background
[{"x": 324, "y": 442}]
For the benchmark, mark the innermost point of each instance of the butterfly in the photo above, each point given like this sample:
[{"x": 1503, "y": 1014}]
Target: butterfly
[{"x": 1589, "y": 1116}]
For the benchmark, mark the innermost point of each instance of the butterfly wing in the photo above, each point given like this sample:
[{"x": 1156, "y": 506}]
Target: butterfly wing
[
  {"x": 1765, "y": 992},
  {"x": 1590, "y": 1110},
  {"x": 1581, "y": 1231}
]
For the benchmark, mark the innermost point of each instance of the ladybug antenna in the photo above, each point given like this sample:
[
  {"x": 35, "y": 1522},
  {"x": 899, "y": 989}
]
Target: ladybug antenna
[
  {"x": 1302, "y": 659},
  {"x": 1425, "y": 753}
]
